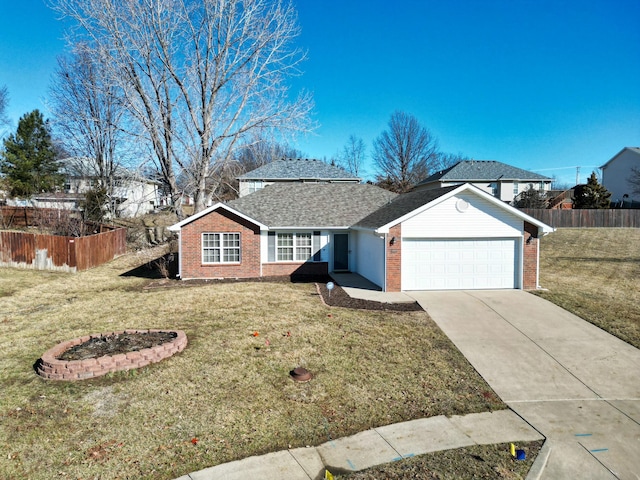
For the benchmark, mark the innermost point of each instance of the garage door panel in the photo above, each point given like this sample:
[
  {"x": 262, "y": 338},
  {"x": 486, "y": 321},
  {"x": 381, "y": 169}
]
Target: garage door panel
[{"x": 429, "y": 264}]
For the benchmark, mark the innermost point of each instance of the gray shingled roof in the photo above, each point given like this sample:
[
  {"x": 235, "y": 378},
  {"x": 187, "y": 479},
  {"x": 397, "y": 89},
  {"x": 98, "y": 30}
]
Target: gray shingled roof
[
  {"x": 298, "y": 169},
  {"x": 483, "y": 170},
  {"x": 402, "y": 205},
  {"x": 312, "y": 205}
]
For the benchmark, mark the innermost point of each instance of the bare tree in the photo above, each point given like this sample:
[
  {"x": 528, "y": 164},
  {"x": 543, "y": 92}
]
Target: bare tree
[
  {"x": 260, "y": 150},
  {"x": 352, "y": 155},
  {"x": 532, "y": 198},
  {"x": 404, "y": 153},
  {"x": 4, "y": 103},
  {"x": 198, "y": 76},
  {"x": 446, "y": 160},
  {"x": 634, "y": 180},
  {"x": 89, "y": 116},
  {"x": 254, "y": 153}
]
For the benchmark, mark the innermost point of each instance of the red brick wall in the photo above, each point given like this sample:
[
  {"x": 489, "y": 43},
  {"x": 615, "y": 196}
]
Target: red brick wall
[
  {"x": 220, "y": 221},
  {"x": 49, "y": 366},
  {"x": 394, "y": 259},
  {"x": 298, "y": 268},
  {"x": 530, "y": 260}
]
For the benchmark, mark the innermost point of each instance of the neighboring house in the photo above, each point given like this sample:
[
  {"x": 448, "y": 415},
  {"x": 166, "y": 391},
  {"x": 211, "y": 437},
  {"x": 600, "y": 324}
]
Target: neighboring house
[
  {"x": 59, "y": 200},
  {"x": 289, "y": 170},
  {"x": 616, "y": 174},
  {"x": 456, "y": 237},
  {"x": 136, "y": 195},
  {"x": 499, "y": 179},
  {"x": 131, "y": 194}
]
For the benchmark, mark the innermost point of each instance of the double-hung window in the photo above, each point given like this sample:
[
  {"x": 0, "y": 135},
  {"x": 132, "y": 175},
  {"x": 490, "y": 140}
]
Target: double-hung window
[
  {"x": 294, "y": 247},
  {"x": 255, "y": 185},
  {"x": 303, "y": 246},
  {"x": 220, "y": 247}
]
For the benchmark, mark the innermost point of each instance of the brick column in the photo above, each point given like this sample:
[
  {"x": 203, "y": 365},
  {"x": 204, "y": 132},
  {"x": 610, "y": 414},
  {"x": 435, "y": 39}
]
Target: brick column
[
  {"x": 394, "y": 259},
  {"x": 530, "y": 257}
]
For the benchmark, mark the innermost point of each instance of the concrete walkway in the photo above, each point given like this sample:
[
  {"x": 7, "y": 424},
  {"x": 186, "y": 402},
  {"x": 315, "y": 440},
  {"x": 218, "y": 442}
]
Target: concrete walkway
[
  {"x": 573, "y": 382},
  {"x": 377, "y": 446},
  {"x": 356, "y": 286}
]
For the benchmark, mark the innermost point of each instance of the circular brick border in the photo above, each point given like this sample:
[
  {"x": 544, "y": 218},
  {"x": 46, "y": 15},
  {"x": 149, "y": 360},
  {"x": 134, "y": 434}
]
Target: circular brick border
[{"x": 50, "y": 367}]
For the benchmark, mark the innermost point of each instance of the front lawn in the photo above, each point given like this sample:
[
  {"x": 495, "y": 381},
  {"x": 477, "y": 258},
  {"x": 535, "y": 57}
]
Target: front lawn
[
  {"x": 595, "y": 273},
  {"x": 228, "y": 395}
]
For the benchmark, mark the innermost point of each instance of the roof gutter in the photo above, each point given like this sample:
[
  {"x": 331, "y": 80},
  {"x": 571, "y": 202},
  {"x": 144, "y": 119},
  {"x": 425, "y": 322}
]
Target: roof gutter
[{"x": 298, "y": 228}]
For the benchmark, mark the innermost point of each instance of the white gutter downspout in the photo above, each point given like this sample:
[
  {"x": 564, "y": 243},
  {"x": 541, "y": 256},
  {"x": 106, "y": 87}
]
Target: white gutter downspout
[
  {"x": 262, "y": 252},
  {"x": 384, "y": 247},
  {"x": 538, "y": 265},
  {"x": 180, "y": 254}
]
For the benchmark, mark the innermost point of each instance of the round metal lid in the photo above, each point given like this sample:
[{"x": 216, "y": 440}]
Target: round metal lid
[{"x": 300, "y": 374}]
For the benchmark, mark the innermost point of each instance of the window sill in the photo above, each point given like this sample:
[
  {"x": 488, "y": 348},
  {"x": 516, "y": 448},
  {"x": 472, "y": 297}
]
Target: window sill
[
  {"x": 221, "y": 264},
  {"x": 290, "y": 262}
]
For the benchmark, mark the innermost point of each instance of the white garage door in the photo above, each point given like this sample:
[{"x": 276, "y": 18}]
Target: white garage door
[{"x": 458, "y": 264}]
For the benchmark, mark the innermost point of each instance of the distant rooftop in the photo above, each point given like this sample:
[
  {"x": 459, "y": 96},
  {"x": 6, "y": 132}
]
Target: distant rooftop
[
  {"x": 299, "y": 169},
  {"x": 483, "y": 170}
]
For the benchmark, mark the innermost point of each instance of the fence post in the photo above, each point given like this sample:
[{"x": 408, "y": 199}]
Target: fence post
[{"x": 72, "y": 253}]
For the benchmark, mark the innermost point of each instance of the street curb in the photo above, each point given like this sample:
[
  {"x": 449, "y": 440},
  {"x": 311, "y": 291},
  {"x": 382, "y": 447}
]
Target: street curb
[{"x": 540, "y": 462}]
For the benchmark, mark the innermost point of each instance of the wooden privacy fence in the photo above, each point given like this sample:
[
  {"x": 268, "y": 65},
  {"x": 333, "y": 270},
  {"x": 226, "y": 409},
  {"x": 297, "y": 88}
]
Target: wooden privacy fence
[
  {"x": 16, "y": 217},
  {"x": 53, "y": 252},
  {"x": 582, "y": 218}
]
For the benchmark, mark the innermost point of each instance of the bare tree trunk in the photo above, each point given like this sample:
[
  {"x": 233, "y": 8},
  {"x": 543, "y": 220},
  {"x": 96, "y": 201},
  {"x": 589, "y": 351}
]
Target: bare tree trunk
[{"x": 198, "y": 76}]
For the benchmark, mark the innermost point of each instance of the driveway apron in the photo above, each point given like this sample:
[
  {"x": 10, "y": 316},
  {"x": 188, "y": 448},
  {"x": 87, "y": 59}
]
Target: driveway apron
[{"x": 576, "y": 384}]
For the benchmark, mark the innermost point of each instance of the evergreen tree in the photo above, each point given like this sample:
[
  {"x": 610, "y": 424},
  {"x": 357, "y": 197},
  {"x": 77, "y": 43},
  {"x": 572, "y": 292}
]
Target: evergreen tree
[
  {"x": 591, "y": 195},
  {"x": 95, "y": 204},
  {"x": 28, "y": 159}
]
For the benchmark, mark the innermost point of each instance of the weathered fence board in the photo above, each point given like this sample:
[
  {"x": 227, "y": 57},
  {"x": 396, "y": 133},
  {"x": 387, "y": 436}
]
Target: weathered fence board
[
  {"x": 52, "y": 252},
  {"x": 18, "y": 217},
  {"x": 95, "y": 250},
  {"x": 583, "y": 218}
]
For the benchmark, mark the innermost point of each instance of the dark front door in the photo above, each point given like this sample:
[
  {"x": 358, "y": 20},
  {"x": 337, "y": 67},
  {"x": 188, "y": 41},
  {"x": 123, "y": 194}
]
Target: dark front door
[{"x": 340, "y": 251}]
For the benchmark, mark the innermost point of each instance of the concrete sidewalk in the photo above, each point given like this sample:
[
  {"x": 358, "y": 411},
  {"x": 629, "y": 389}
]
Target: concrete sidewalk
[{"x": 377, "y": 446}]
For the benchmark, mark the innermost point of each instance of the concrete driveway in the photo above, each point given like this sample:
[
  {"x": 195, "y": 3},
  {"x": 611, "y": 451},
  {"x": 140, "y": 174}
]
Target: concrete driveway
[{"x": 576, "y": 384}]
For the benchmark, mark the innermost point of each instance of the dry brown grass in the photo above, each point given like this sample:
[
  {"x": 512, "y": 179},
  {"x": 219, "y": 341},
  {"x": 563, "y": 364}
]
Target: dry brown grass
[
  {"x": 228, "y": 389},
  {"x": 595, "y": 273},
  {"x": 476, "y": 461}
]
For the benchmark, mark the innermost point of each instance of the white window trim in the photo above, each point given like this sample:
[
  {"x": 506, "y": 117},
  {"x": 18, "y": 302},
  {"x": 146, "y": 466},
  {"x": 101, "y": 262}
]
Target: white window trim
[
  {"x": 295, "y": 247},
  {"x": 222, "y": 248},
  {"x": 254, "y": 185}
]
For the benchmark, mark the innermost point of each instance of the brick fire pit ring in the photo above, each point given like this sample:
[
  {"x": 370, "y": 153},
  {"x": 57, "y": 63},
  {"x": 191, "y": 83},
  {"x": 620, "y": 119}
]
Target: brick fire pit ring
[{"x": 52, "y": 368}]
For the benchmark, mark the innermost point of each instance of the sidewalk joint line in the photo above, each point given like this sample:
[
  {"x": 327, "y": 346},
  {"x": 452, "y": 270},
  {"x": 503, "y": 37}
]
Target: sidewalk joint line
[
  {"x": 300, "y": 465},
  {"x": 388, "y": 443},
  {"x": 599, "y": 461}
]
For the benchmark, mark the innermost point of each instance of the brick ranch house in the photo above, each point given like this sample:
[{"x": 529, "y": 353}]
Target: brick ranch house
[{"x": 455, "y": 237}]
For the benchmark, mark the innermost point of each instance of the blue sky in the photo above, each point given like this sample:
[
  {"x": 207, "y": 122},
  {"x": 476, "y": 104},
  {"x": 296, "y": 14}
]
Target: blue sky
[{"x": 543, "y": 85}]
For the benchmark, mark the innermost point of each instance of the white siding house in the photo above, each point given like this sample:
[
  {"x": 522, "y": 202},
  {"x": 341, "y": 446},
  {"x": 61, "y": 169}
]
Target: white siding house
[{"x": 616, "y": 174}]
